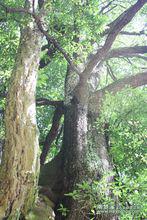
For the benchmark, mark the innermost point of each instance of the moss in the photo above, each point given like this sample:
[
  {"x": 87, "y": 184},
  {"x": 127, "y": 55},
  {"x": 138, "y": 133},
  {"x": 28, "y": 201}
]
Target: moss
[{"x": 42, "y": 210}]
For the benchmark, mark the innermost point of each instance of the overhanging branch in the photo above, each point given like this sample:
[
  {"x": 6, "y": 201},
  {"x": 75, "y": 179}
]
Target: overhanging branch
[
  {"x": 133, "y": 33},
  {"x": 134, "y": 81},
  {"x": 115, "y": 27},
  {"x": 126, "y": 52},
  {"x": 47, "y": 102},
  {"x": 110, "y": 72}
]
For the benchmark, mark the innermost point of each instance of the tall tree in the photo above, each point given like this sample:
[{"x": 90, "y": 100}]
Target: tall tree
[
  {"x": 20, "y": 164},
  {"x": 84, "y": 154}
]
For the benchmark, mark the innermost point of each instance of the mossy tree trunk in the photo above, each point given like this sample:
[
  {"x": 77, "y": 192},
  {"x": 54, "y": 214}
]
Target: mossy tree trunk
[
  {"x": 86, "y": 154},
  {"x": 20, "y": 165}
]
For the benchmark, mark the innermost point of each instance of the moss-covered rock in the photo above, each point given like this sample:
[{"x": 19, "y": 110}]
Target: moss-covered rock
[{"x": 42, "y": 210}]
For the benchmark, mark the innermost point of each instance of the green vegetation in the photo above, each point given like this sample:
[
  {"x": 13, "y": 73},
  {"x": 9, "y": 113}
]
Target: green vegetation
[{"x": 93, "y": 146}]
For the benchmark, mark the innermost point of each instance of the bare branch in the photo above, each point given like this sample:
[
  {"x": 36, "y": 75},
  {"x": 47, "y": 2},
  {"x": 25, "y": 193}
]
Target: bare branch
[
  {"x": 115, "y": 27},
  {"x": 110, "y": 9},
  {"x": 126, "y": 16},
  {"x": 106, "y": 6},
  {"x": 44, "y": 101},
  {"x": 133, "y": 33},
  {"x": 127, "y": 52},
  {"x": 132, "y": 81},
  {"x": 110, "y": 72},
  {"x": 55, "y": 43}
]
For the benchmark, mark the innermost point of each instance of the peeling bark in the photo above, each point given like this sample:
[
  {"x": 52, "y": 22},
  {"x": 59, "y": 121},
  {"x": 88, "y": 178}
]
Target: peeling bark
[{"x": 20, "y": 164}]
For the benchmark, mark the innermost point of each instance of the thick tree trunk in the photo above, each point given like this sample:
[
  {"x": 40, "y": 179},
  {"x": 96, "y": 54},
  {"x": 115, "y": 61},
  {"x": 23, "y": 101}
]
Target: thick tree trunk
[
  {"x": 84, "y": 155},
  {"x": 19, "y": 169},
  {"x": 75, "y": 141},
  {"x": 84, "y": 147},
  {"x": 99, "y": 145}
]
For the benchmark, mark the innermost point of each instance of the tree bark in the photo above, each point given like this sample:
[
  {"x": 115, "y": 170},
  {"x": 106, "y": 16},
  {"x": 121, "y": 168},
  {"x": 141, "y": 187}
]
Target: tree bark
[
  {"x": 52, "y": 133},
  {"x": 20, "y": 164},
  {"x": 81, "y": 160}
]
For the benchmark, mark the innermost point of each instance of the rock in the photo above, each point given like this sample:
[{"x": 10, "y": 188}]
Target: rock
[{"x": 43, "y": 210}]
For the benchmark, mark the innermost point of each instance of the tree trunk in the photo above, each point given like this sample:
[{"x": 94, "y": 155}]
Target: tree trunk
[
  {"x": 86, "y": 158},
  {"x": 84, "y": 147},
  {"x": 84, "y": 154},
  {"x": 99, "y": 145},
  {"x": 74, "y": 143},
  {"x": 20, "y": 165}
]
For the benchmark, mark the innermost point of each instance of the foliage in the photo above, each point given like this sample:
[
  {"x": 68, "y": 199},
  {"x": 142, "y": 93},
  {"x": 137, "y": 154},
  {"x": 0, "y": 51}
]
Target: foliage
[
  {"x": 73, "y": 22},
  {"x": 127, "y": 140},
  {"x": 63, "y": 210},
  {"x": 128, "y": 198},
  {"x": 9, "y": 42},
  {"x": 76, "y": 25},
  {"x": 127, "y": 128}
]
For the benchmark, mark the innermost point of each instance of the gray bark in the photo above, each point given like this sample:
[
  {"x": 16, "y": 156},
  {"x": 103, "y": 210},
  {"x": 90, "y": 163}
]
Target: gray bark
[{"x": 81, "y": 160}]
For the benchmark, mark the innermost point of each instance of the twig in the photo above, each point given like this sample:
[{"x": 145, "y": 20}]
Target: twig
[
  {"x": 110, "y": 72},
  {"x": 105, "y": 7}
]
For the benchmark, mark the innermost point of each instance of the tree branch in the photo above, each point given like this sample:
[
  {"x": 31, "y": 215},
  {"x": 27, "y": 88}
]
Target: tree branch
[
  {"x": 44, "y": 101},
  {"x": 53, "y": 41},
  {"x": 106, "y": 6},
  {"x": 133, "y": 33},
  {"x": 115, "y": 27},
  {"x": 49, "y": 38},
  {"x": 134, "y": 81},
  {"x": 110, "y": 72},
  {"x": 127, "y": 52},
  {"x": 52, "y": 133},
  {"x": 110, "y": 9},
  {"x": 50, "y": 52}
]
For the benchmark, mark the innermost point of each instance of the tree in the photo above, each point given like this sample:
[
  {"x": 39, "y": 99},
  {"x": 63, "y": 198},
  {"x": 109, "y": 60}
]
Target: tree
[
  {"x": 84, "y": 154},
  {"x": 18, "y": 186}
]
